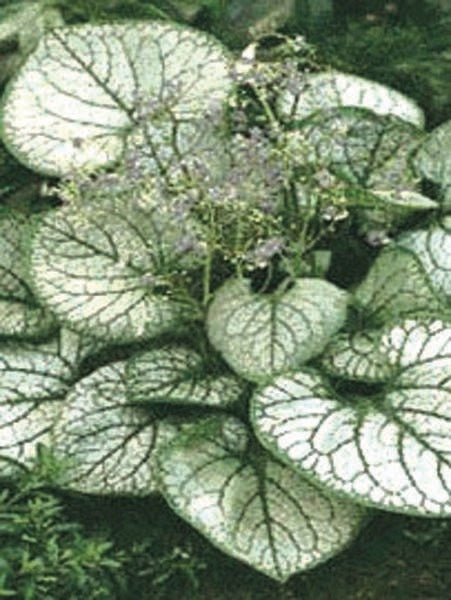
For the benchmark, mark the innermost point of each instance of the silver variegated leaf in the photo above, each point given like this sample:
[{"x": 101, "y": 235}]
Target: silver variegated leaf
[
  {"x": 432, "y": 161},
  {"x": 177, "y": 375},
  {"x": 356, "y": 357},
  {"x": 379, "y": 355},
  {"x": 73, "y": 347},
  {"x": 393, "y": 451},
  {"x": 419, "y": 351},
  {"x": 87, "y": 87},
  {"x": 23, "y": 426},
  {"x": 263, "y": 334},
  {"x": 98, "y": 268},
  {"x": 432, "y": 247},
  {"x": 174, "y": 148},
  {"x": 20, "y": 320},
  {"x": 248, "y": 504},
  {"x": 31, "y": 373},
  {"x": 319, "y": 91},
  {"x": 364, "y": 148},
  {"x": 12, "y": 268},
  {"x": 396, "y": 284},
  {"x": 108, "y": 445},
  {"x": 20, "y": 314},
  {"x": 32, "y": 383}
]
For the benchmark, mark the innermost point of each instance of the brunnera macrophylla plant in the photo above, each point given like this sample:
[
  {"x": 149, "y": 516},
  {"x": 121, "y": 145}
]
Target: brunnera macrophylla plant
[{"x": 171, "y": 323}]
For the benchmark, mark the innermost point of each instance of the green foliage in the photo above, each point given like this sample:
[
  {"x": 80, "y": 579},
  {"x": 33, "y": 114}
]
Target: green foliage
[
  {"x": 82, "y": 11},
  {"x": 408, "y": 50},
  {"x": 47, "y": 554},
  {"x": 44, "y": 555}
]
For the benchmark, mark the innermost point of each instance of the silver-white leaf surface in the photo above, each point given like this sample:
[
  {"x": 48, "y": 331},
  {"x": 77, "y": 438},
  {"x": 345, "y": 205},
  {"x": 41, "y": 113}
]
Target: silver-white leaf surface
[
  {"x": 319, "y": 91},
  {"x": 250, "y": 505},
  {"x": 432, "y": 247},
  {"x": 177, "y": 375},
  {"x": 433, "y": 160},
  {"x": 33, "y": 382},
  {"x": 97, "y": 267},
  {"x": 372, "y": 151},
  {"x": 263, "y": 334},
  {"x": 392, "y": 450},
  {"x": 87, "y": 87},
  {"x": 107, "y": 444},
  {"x": 21, "y": 316}
]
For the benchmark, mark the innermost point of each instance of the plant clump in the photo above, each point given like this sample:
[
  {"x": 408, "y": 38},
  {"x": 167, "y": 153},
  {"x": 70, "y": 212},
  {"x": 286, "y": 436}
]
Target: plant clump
[{"x": 173, "y": 321}]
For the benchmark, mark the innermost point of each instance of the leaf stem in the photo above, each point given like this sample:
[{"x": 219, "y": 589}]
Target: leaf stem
[{"x": 211, "y": 243}]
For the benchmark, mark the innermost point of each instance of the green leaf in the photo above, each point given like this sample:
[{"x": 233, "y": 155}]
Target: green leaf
[
  {"x": 102, "y": 268},
  {"x": 177, "y": 375},
  {"x": 109, "y": 445},
  {"x": 263, "y": 334},
  {"x": 32, "y": 383},
  {"x": 405, "y": 200},
  {"x": 396, "y": 285},
  {"x": 361, "y": 147},
  {"x": 320, "y": 91},
  {"x": 392, "y": 450},
  {"x": 391, "y": 208},
  {"x": 86, "y": 88},
  {"x": 432, "y": 161},
  {"x": 432, "y": 247},
  {"x": 250, "y": 506},
  {"x": 20, "y": 314},
  {"x": 411, "y": 276}
]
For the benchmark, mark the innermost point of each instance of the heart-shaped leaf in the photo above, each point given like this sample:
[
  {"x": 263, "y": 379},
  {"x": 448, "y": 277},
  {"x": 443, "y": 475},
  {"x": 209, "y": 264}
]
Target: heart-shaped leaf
[
  {"x": 20, "y": 314},
  {"x": 86, "y": 88},
  {"x": 432, "y": 161},
  {"x": 249, "y": 505},
  {"x": 362, "y": 147},
  {"x": 23, "y": 426},
  {"x": 177, "y": 375},
  {"x": 263, "y": 334},
  {"x": 100, "y": 267},
  {"x": 393, "y": 452},
  {"x": 319, "y": 91},
  {"x": 108, "y": 445},
  {"x": 32, "y": 383}
]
